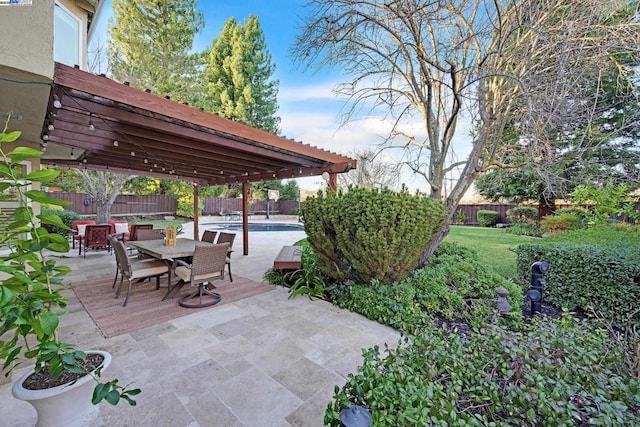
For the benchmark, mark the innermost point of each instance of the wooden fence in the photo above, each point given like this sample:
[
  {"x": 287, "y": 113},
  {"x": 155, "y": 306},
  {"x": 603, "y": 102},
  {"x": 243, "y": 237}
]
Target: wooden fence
[{"x": 125, "y": 205}]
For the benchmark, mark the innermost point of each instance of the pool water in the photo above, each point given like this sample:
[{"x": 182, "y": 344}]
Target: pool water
[{"x": 256, "y": 227}]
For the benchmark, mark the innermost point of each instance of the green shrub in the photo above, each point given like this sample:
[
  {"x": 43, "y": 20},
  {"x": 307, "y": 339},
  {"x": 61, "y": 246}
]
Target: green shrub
[
  {"x": 452, "y": 285},
  {"x": 308, "y": 280},
  {"x": 522, "y": 214},
  {"x": 488, "y": 218},
  {"x": 584, "y": 214},
  {"x": 605, "y": 276},
  {"x": 608, "y": 234},
  {"x": 552, "y": 373},
  {"x": 295, "y": 211},
  {"x": 561, "y": 223},
  {"x": 363, "y": 234},
  {"x": 67, "y": 218},
  {"x": 524, "y": 229}
]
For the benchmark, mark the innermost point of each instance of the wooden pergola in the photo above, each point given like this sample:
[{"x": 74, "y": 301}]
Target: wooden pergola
[{"x": 96, "y": 123}]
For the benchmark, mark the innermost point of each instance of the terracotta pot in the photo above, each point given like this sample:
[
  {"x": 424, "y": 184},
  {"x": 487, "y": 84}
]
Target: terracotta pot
[{"x": 67, "y": 405}]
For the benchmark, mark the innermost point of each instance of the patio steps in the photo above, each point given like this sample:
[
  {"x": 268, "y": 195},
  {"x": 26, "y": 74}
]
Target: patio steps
[{"x": 289, "y": 258}]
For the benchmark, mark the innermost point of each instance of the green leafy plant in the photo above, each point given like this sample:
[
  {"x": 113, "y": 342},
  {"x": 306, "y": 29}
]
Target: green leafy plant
[
  {"x": 31, "y": 301},
  {"x": 452, "y": 285},
  {"x": 550, "y": 373},
  {"x": 362, "y": 234},
  {"x": 522, "y": 214},
  {"x": 524, "y": 229},
  {"x": 67, "y": 218},
  {"x": 307, "y": 280},
  {"x": 561, "y": 223},
  {"x": 461, "y": 218},
  {"x": 488, "y": 218},
  {"x": 607, "y": 200}
]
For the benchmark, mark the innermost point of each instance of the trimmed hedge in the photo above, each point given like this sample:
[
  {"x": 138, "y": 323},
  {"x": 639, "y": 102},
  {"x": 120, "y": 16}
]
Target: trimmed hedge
[
  {"x": 522, "y": 214},
  {"x": 67, "y": 218},
  {"x": 556, "y": 372},
  {"x": 488, "y": 218},
  {"x": 361, "y": 234},
  {"x": 605, "y": 276}
]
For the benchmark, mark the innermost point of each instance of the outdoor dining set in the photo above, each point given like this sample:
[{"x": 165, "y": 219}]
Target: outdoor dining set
[{"x": 194, "y": 263}]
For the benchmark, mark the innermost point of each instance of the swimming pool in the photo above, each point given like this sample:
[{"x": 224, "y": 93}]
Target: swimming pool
[{"x": 255, "y": 227}]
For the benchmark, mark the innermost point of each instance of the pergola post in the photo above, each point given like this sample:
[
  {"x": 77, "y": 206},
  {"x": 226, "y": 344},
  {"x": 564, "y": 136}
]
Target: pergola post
[
  {"x": 196, "y": 231},
  {"x": 245, "y": 217},
  {"x": 333, "y": 181}
]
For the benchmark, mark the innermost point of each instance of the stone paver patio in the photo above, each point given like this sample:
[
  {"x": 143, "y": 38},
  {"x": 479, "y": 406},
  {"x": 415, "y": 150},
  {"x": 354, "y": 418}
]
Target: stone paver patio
[{"x": 262, "y": 361}]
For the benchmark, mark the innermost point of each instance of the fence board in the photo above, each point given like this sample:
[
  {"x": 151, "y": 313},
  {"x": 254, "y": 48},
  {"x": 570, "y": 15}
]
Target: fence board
[{"x": 124, "y": 205}]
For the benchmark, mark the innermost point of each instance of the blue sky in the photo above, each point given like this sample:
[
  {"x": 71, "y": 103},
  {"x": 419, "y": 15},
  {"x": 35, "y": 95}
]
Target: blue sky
[{"x": 308, "y": 109}]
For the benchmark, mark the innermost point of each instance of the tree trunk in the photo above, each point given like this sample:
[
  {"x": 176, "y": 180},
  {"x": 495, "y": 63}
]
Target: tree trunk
[
  {"x": 546, "y": 206},
  {"x": 437, "y": 239},
  {"x": 103, "y": 212}
]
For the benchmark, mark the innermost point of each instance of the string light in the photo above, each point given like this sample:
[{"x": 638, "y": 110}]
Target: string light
[
  {"x": 50, "y": 127},
  {"x": 45, "y": 137},
  {"x": 115, "y": 143},
  {"x": 72, "y": 155},
  {"x": 146, "y": 160},
  {"x": 56, "y": 101},
  {"x": 133, "y": 154},
  {"x": 91, "y": 126}
]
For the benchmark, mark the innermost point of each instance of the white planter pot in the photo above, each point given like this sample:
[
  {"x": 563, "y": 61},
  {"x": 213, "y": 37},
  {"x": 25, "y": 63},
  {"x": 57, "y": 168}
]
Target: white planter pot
[{"x": 67, "y": 405}]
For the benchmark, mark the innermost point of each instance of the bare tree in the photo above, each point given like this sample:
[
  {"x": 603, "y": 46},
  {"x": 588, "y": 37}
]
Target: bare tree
[
  {"x": 371, "y": 172},
  {"x": 104, "y": 187},
  {"x": 531, "y": 64}
]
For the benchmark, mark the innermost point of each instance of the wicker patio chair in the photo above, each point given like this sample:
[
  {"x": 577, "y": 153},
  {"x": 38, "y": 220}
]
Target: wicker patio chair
[
  {"x": 227, "y": 238},
  {"x": 207, "y": 265},
  {"x": 209, "y": 236},
  {"x": 144, "y": 261},
  {"x": 133, "y": 230},
  {"x": 138, "y": 270}
]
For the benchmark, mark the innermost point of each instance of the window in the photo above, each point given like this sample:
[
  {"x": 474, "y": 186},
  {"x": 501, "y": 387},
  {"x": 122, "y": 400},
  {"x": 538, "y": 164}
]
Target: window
[{"x": 67, "y": 37}]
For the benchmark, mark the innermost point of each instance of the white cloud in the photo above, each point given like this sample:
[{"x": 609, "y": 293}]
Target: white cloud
[
  {"x": 323, "y": 90},
  {"x": 311, "y": 114}
]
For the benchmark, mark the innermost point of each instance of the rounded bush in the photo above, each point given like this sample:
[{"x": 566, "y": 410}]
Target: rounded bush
[
  {"x": 522, "y": 214},
  {"x": 488, "y": 218},
  {"x": 362, "y": 234}
]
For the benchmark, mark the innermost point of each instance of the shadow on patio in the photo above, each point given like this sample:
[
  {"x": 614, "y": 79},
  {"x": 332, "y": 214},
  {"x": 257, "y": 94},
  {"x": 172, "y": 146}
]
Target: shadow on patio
[{"x": 262, "y": 360}]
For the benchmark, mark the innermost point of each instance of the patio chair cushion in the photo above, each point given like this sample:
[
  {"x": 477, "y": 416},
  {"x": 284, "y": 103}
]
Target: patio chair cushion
[
  {"x": 81, "y": 229},
  {"x": 121, "y": 227}
]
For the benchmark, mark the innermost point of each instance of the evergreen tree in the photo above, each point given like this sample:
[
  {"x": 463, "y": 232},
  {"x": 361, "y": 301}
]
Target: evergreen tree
[
  {"x": 238, "y": 76},
  {"x": 150, "y": 45}
]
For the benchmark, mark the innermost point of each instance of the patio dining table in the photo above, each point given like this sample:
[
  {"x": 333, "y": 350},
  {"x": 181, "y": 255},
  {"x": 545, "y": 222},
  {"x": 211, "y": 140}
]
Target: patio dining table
[
  {"x": 156, "y": 248},
  {"x": 184, "y": 248}
]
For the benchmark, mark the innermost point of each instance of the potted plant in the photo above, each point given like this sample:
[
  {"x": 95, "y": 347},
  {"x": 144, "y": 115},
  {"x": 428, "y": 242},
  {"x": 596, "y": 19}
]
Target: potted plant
[{"x": 31, "y": 301}]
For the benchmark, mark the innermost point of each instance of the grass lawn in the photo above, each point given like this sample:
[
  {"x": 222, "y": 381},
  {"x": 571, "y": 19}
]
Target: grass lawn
[{"x": 495, "y": 247}]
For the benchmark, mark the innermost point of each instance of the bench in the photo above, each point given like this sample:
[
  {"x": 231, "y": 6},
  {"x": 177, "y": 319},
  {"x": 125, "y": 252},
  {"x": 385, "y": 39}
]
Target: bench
[{"x": 289, "y": 258}]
